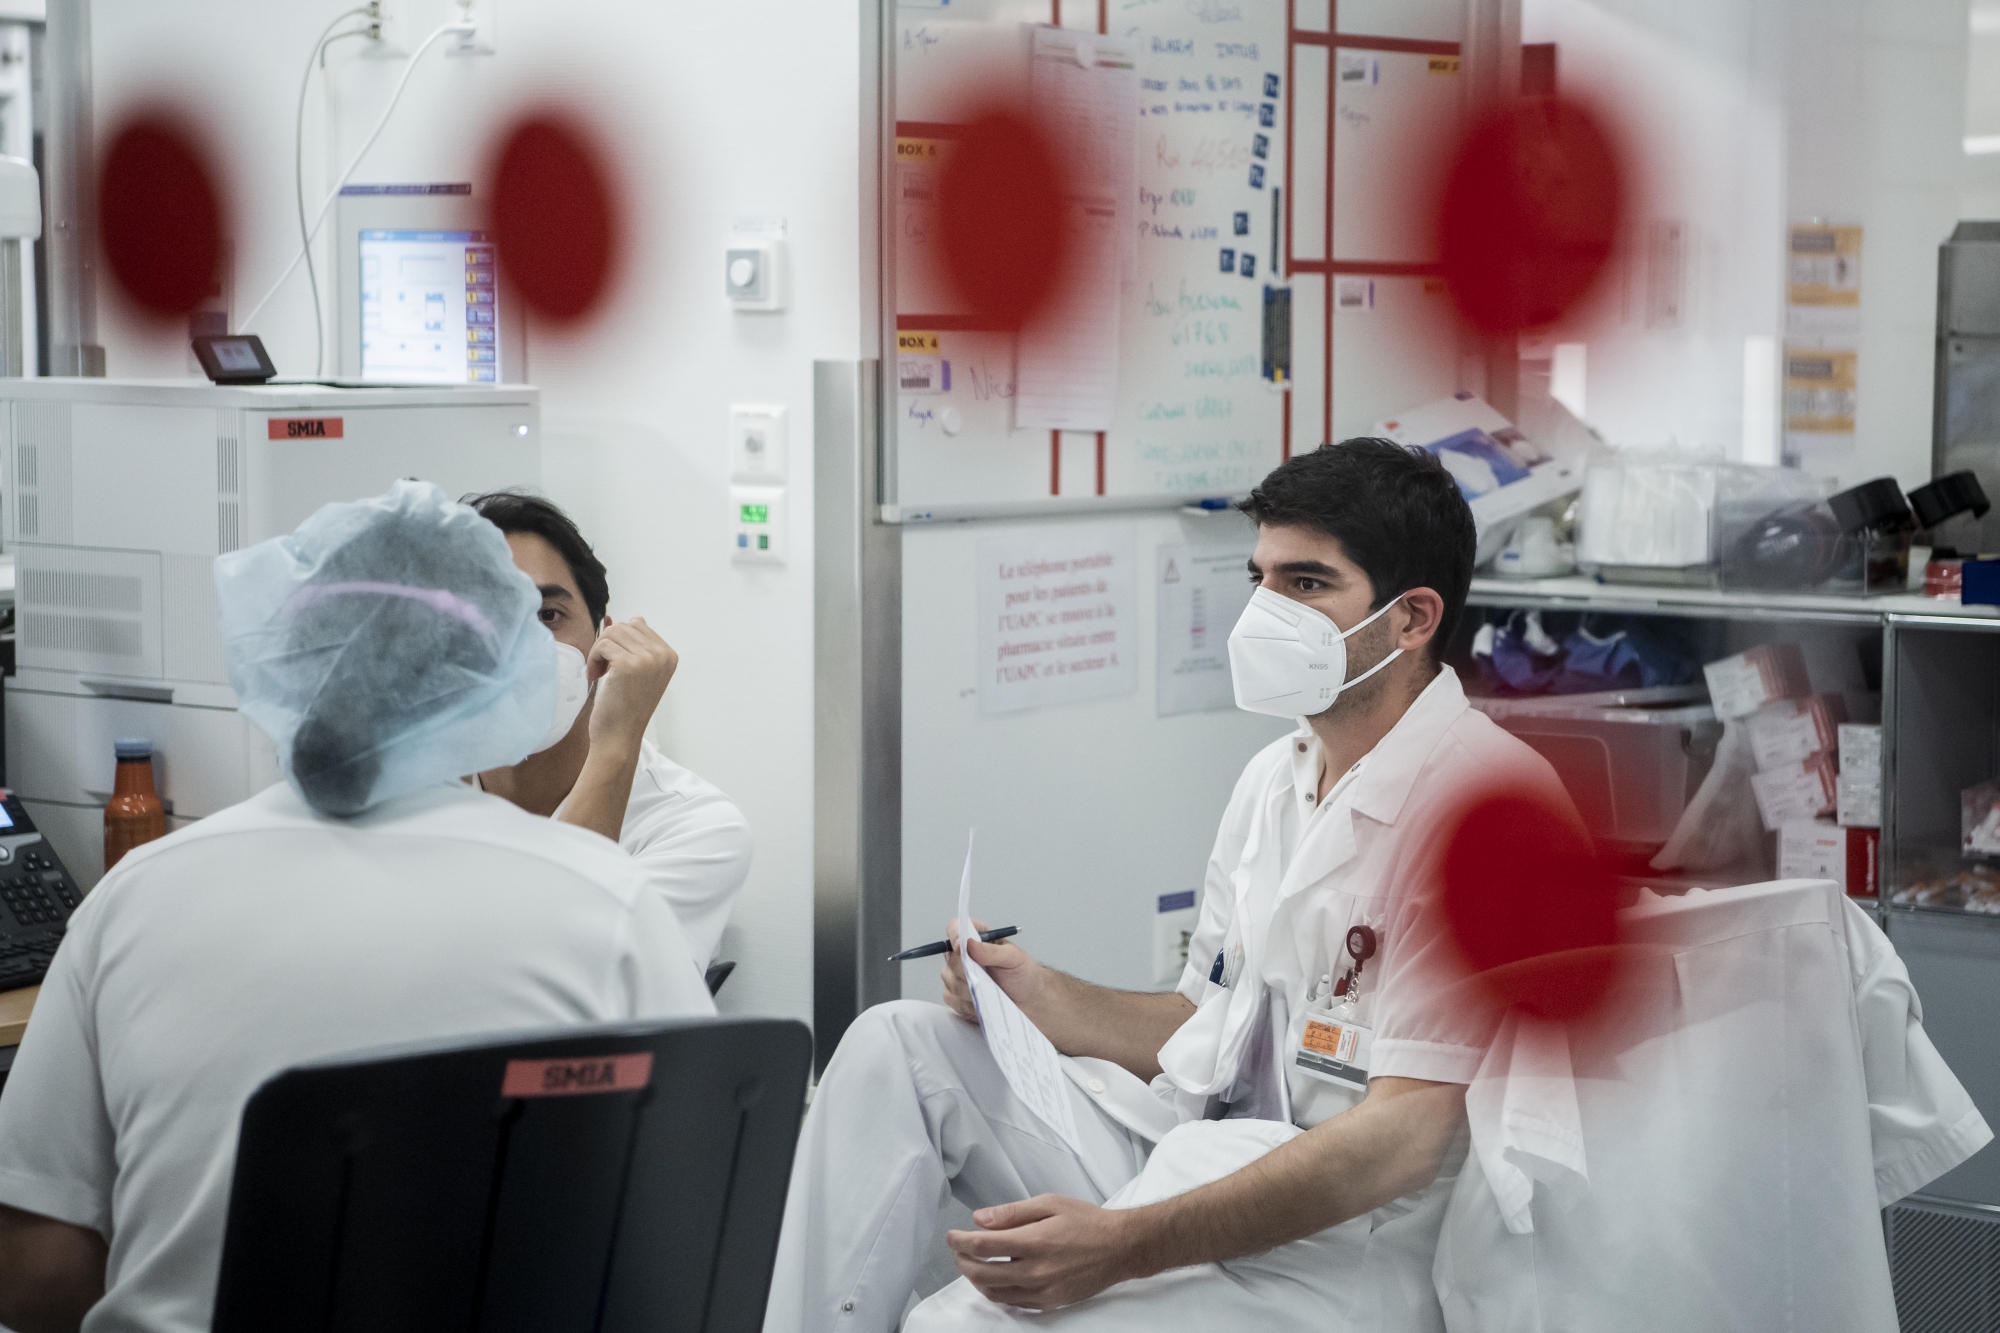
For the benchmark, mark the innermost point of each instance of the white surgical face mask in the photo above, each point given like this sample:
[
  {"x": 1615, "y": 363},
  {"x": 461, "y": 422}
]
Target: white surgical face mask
[
  {"x": 1288, "y": 660},
  {"x": 571, "y": 692}
]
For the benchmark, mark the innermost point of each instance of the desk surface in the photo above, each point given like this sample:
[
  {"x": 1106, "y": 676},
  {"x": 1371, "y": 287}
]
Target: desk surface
[{"x": 15, "y": 1006}]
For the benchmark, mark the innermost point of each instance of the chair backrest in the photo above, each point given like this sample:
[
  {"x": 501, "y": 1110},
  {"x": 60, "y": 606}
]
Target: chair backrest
[{"x": 608, "y": 1178}]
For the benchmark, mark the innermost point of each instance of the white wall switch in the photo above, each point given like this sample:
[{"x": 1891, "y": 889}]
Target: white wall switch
[
  {"x": 757, "y": 445},
  {"x": 757, "y": 524},
  {"x": 754, "y": 272}
]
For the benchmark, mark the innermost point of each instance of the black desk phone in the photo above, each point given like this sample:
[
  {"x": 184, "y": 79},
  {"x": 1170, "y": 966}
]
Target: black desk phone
[{"x": 37, "y": 894}]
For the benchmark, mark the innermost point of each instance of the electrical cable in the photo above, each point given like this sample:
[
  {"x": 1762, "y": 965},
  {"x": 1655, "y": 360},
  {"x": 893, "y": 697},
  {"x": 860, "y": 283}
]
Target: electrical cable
[
  {"x": 299, "y": 177},
  {"x": 353, "y": 165}
]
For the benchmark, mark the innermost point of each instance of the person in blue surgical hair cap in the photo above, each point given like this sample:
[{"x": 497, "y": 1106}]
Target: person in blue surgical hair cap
[
  {"x": 387, "y": 644},
  {"x": 388, "y": 647}
]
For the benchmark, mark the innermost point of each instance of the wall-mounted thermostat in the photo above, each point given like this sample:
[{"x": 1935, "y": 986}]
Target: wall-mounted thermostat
[
  {"x": 753, "y": 265},
  {"x": 757, "y": 445},
  {"x": 757, "y": 524}
]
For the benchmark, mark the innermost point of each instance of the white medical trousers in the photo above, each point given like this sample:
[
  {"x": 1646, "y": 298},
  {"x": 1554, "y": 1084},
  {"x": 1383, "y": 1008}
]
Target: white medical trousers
[{"x": 912, "y": 1108}]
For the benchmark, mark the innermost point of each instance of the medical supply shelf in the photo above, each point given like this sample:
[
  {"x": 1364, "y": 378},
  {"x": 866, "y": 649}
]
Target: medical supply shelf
[
  {"x": 1578, "y": 593},
  {"x": 1939, "y": 666}
]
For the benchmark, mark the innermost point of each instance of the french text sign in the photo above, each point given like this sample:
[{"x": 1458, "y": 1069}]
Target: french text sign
[{"x": 1057, "y": 616}]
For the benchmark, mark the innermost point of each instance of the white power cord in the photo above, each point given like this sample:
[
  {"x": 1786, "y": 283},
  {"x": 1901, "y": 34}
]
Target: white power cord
[
  {"x": 345, "y": 176},
  {"x": 326, "y": 37}
]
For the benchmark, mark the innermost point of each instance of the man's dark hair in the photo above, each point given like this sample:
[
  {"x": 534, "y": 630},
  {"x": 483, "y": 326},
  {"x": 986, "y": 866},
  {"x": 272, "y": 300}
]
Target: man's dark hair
[
  {"x": 512, "y": 512},
  {"x": 1394, "y": 510}
]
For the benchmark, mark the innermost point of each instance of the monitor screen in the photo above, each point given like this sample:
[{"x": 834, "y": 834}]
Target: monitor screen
[
  {"x": 429, "y": 307},
  {"x": 6, "y": 819},
  {"x": 235, "y": 354}
]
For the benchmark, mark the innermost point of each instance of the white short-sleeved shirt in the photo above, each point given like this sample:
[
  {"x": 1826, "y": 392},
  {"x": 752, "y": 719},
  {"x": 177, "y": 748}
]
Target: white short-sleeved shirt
[
  {"x": 690, "y": 842},
  {"x": 267, "y": 936},
  {"x": 1370, "y": 855}
]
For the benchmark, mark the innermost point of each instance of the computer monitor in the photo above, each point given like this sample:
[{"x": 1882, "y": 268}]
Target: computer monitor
[{"x": 430, "y": 307}]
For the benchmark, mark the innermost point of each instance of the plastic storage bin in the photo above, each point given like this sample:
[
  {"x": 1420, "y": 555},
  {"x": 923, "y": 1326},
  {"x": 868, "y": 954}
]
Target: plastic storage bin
[{"x": 1629, "y": 761}]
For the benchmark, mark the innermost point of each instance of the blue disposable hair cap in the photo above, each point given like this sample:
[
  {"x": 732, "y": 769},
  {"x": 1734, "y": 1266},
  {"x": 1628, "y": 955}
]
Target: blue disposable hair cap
[{"x": 386, "y": 645}]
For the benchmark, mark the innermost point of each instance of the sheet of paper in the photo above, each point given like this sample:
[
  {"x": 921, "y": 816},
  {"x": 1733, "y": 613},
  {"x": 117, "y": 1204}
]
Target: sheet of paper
[
  {"x": 1066, "y": 372},
  {"x": 1056, "y": 615},
  {"x": 1026, "y": 1058},
  {"x": 1203, "y": 590}
]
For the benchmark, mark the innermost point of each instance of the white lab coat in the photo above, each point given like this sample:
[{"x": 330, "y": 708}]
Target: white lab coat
[
  {"x": 267, "y": 936},
  {"x": 1713, "y": 1152},
  {"x": 690, "y": 842},
  {"x": 1285, "y": 882}
]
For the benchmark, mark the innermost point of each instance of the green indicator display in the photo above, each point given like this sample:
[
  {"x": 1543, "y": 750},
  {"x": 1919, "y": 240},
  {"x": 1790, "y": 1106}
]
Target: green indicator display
[{"x": 755, "y": 514}]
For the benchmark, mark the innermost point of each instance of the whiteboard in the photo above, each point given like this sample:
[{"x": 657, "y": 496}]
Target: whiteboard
[
  {"x": 1194, "y": 416},
  {"x": 1395, "y": 123},
  {"x": 1087, "y": 812}
]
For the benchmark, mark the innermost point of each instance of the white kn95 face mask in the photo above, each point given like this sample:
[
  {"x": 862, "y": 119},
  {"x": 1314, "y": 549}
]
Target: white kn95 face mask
[
  {"x": 1288, "y": 660},
  {"x": 572, "y": 691}
]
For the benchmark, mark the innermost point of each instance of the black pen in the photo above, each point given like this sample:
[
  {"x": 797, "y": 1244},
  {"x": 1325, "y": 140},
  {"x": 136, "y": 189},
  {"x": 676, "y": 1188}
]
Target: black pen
[{"x": 944, "y": 946}]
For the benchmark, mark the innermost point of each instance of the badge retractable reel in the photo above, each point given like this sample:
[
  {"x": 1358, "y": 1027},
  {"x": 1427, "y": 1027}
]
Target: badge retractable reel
[{"x": 1332, "y": 1043}]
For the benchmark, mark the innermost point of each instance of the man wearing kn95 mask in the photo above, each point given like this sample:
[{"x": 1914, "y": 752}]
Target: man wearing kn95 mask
[
  {"x": 1272, "y": 1143},
  {"x": 596, "y": 768}
]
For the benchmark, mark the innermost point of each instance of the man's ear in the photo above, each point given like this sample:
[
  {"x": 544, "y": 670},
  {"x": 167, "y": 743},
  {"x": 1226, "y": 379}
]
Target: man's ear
[{"x": 1426, "y": 616}]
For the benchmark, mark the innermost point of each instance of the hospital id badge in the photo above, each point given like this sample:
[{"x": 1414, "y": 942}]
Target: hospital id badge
[{"x": 1333, "y": 1047}]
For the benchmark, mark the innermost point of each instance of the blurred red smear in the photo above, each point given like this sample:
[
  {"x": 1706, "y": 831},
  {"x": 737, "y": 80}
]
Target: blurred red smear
[
  {"x": 1532, "y": 909},
  {"x": 555, "y": 216},
  {"x": 1002, "y": 217},
  {"x": 1529, "y": 213},
  {"x": 160, "y": 214}
]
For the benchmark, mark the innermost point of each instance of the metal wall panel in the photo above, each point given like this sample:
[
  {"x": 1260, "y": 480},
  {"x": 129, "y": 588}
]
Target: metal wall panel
[{"x": 857, "y": 708}]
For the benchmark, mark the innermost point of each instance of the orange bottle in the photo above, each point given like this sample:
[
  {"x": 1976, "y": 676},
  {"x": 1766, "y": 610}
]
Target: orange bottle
[{"x": 135, "y": 814}]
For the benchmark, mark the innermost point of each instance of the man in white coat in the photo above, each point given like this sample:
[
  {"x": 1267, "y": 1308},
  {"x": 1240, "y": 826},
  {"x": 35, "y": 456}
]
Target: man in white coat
[
  {"x": 388, "y": 647},
  {"x": 1266, "y": 1174},
  {"x": 602, "y": 773}
]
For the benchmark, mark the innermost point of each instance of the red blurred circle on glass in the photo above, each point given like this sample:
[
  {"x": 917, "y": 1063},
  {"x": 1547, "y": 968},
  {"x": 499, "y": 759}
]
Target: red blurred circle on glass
[
  {"x": 1532, "y": 909},
  {"x": 1529, "y": 214},
  {"x": 555, "y": 217},
  {"x": 1001, "y": 218},
  {"x": 159, "y": 215}
]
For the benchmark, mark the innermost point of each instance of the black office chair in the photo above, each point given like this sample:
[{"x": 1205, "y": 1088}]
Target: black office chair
[{"x": 611, "y": 1178}]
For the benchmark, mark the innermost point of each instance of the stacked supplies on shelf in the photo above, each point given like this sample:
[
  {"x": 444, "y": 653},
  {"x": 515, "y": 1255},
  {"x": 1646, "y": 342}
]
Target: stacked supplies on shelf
[
  {"x": 1841, "y": 839},
  {"x": 1798, "y": 765},
  {"x": 1791, "y": 740}
]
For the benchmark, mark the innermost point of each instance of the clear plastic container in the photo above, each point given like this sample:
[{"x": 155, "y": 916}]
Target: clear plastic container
[{"x": 1630, "y": 769}]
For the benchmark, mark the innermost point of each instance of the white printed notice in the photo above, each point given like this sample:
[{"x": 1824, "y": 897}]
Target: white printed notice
[
  {"x": 1027, "y": 1059},
  {"x": 1203, "y": 589},
  {"x": 1056, "y": 616},
  {"x": 1066, "y": 367}
]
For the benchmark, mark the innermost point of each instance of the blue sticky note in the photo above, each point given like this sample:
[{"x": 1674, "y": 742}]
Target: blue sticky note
[{"x": 1228, "y": 261}]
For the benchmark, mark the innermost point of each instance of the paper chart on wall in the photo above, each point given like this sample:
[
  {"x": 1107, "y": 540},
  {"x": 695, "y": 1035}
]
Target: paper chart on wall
[
  {"x": 1056, "y": 616},
  {"x": 1202, "y": 592},
  {"x": 1027, "y": 1059},
  {"x": 1066, "y": 368},
  {"x": 1202, "y": 212}
]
